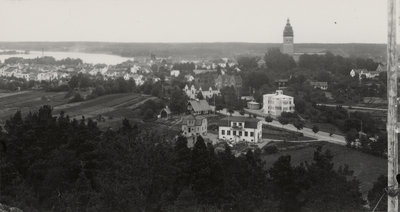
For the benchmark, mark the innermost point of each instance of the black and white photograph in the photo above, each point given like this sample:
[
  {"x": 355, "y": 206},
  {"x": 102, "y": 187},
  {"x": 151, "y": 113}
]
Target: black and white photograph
[{"x": 199, "y": 105}]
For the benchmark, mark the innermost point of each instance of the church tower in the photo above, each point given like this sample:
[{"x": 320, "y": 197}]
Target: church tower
[{"x": 288, "y": 39}]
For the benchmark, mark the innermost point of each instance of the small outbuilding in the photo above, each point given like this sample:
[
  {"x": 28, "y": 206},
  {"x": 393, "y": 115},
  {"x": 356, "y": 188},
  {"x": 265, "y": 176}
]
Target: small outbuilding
[
  {"x": 165, "y": 113},
  {"x": 253, "y": 105}
]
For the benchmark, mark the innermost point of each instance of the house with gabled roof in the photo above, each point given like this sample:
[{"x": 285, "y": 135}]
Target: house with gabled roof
[
  {"x": 139, "y": 80},
  {"x": 361, "y": 72},
  {"x": 198, "y": 107},
  {"x": 319, "y": 85},
  {"x": 381, "y": 68},
  {"x": 194, "y": 125},
  {"x": 261, "y": 63},
  {"x": 22, "y": 75},
  {"x": 98, "y": 69},
  {"x": 228, "y": 80},
  {"x": 10, "y": 71},
  {"x": 208, "y": 90},
  {"x": 165, "y": 113},
  {"x": 190, "y": 91},
  {"x": 235, "y": 129},
  {"x": 189, "y": 78}
]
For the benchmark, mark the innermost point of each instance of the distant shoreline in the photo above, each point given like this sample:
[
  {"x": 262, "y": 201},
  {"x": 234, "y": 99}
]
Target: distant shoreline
[
  {"x": 376, "y": 51},
  {"x": 13, "y": 52}
]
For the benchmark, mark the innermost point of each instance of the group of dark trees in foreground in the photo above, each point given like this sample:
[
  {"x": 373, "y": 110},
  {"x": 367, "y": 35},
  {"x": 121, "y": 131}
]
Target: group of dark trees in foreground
[{"x": 55, "y": 163}]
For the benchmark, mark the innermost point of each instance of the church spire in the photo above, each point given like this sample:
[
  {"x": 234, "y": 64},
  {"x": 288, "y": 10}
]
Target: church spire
[{"x": 288, "y": 31}]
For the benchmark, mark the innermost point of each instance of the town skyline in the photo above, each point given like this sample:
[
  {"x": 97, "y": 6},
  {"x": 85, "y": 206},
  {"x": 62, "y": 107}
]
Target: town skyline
[{"x": 177, "y": 21}]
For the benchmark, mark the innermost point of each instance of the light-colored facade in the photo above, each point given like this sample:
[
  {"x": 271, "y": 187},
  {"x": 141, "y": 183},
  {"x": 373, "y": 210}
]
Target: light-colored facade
[
  {"x": 360, "y": 72},
  {"x": 193, "y": 125},
  {"x": 207, "y": 90},
  {"x": 190, "y": 91},
  {"x": 175, "y": 73},
  {"x": 237, "y": 129},
  {"x": 276, "y": 103}
]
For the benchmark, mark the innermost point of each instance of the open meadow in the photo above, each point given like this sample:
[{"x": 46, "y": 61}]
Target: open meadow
[
  {"x": 366, "y": 167},
  {"x": 113, "y": 107}
]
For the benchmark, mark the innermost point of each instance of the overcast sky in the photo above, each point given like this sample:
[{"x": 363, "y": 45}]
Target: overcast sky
[{"x": 254, "y": 21}]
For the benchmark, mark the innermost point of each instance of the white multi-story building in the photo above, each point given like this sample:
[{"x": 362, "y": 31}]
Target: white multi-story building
[
  {"x": 237, "y": 129},
  {"x": 276, "y": 103}
]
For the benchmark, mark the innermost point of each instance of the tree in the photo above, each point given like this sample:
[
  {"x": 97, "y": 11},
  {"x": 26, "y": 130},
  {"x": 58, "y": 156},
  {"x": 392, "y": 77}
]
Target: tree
[
  {"x": 77, "y": 98},
  {"x": 84, "y": 81},
  {"x": 178, "y": 101},
  {"x": 230, "y": 111},
  {"x": 268, "y": 119},
  {"x": 377, "y": 193},
  {"x": 200, "y": 95},
  {"x": 219, "y": 107},
  {"x": 300, "y": 105},
  {"x": 298, "y": 124},
  {"x": 277, "y": 61},
  {"x": 154, "y": 68},
  {"x": 248, "y": 63},
  {"x": 73, "y": 82},
  {"x": 283, "y": 121},
  {"x": 351, "y": 137},
  {"x": 149, "y": 114},
  {"x": 314, "y": 186},
  {"x": 315, "y": 129},
  {"x": 259, "y": 94}
]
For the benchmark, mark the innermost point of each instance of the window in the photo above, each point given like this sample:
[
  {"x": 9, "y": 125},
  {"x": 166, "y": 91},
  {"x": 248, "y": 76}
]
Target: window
[
  {"x": 240, "y": 124},
  {"x": 223, "y": 132},
  {"x": 246, "y": 134},
  {"x": 234, "y": 132},
  {"x": 251, "y": 134},
  {"x": 228, "y": 132},
  {"x": 240, "y": 133}
]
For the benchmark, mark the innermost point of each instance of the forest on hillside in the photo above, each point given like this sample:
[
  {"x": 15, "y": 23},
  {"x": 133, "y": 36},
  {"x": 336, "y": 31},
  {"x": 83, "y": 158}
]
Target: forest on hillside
[{"x": 55, "y": 163}]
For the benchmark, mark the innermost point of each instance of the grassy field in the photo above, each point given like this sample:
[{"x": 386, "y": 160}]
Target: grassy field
[
  {"x": 28, "y": 101},
  {"x": 366, "y": 167},
  {"x": 326, "y": 127},
  {"x": 115, "y": 104}
]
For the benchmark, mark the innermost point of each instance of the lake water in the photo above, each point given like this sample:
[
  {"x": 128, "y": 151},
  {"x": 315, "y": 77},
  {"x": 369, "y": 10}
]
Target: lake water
[{"x": 85, "y": 57}]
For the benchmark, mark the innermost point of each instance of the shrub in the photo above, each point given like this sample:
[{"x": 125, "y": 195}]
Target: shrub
[
  {"x": 91, "y": 96},
  {"x": 69, "y": 93},
  {"x": 77, "y": 98},
  {"x": 271, "y": 149}
]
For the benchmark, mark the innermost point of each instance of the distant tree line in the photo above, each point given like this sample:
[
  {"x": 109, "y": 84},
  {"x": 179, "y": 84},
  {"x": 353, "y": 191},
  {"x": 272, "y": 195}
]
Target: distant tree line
[
  {"x": 184, "y": 66},
  {"x": 46, "y": 60}
]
